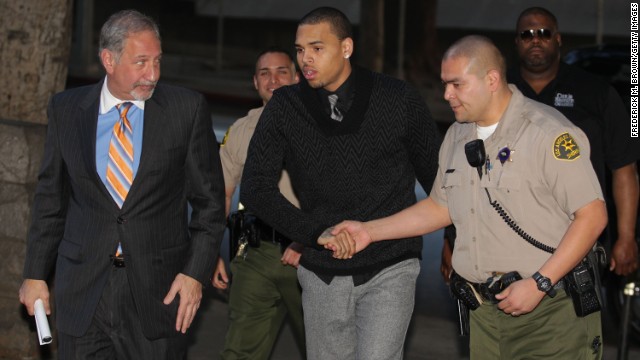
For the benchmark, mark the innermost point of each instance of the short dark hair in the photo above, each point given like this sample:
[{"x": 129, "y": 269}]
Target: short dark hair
[
  {"x": 275, "y": 49},
  {"x": 339, "y": 22},
  {"x": 119, "y": 26},
  {"x": 537, "y": 10}
]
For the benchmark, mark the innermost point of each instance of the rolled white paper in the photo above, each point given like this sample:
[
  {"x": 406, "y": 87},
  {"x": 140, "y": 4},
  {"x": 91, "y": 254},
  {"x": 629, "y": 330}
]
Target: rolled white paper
[{"x": 42, "y": 324}]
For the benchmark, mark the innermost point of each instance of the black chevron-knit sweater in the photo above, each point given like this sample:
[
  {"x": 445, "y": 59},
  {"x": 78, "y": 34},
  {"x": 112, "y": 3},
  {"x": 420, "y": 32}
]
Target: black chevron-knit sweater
[{"x": 361, "y": 168}]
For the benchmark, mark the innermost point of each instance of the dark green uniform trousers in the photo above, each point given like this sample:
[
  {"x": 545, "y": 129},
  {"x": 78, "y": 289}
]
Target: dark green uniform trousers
[
  {"x": 551, "y": 331},
  {"x": 263, "y": 292}
]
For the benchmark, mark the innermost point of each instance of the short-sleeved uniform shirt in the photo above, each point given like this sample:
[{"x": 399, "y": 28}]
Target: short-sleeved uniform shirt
[
  {"x": 233, "y": 154},
  {"x": 596, "y": 108},
  {"x": 544, "y": 180}
]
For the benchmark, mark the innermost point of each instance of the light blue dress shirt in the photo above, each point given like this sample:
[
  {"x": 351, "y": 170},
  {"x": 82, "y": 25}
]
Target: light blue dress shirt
[{"x": 107, "y": 119}]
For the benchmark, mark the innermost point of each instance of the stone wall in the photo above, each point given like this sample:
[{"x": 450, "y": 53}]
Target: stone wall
[
  {"x": 35, "y": 41},
  {"x": 21, "y": 146}
]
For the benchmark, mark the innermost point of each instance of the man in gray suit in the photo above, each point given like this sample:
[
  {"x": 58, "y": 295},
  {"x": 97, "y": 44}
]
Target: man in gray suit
[{"x": 110, "y": 211}]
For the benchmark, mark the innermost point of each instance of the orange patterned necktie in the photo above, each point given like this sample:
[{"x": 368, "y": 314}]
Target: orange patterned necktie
[{"x": 120, "y": 164}]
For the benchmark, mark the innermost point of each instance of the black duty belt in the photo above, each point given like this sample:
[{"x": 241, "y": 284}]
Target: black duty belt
[
  {"x": 117, "y": 261},
  {"x": 487, "y": 293},
  {"x": 269, "y": 234}
]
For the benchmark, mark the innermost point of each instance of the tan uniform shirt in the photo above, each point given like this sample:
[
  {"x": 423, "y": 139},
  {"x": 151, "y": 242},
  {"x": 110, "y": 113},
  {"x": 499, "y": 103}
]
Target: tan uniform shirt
[
  {"x": 547, "y": 178},
  {"x": 233, "y": 154}
]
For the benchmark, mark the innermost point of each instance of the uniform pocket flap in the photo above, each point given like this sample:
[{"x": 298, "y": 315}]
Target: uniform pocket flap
[{"x": 452, "y": 179}]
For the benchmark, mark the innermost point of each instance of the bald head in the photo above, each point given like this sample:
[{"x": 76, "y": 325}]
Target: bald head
[
  {"x": 473, "y": 72},
  {"x": 482, "y": 54}
]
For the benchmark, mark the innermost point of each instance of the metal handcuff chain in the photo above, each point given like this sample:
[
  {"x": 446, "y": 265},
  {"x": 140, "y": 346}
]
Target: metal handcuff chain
[{"x": 512, "y": 224}]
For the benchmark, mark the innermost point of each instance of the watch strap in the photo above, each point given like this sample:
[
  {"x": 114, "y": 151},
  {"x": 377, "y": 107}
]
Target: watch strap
[{"x": 540, "y": 280}]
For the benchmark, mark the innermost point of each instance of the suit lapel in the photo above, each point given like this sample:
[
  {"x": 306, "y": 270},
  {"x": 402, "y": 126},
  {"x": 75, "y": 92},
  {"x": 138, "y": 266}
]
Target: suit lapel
[
  {"x": 152, "y": 137},
  {"x": 88, "y": 123}
]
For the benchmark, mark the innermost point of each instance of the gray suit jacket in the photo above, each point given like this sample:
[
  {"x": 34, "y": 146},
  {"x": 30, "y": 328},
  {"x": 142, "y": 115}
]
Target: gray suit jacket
[{"x": 76, "y": 224}]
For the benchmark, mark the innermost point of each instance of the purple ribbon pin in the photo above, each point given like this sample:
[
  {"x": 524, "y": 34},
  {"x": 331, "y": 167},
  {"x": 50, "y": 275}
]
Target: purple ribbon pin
[{"x": 504, "y": 154}]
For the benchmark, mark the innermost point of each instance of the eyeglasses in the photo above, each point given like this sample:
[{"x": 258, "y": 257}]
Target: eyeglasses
[{"x": 543, "y": 34}]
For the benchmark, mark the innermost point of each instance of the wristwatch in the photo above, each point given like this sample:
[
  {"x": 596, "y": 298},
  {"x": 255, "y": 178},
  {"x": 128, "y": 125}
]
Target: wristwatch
[{"x": 544, "y": 284}]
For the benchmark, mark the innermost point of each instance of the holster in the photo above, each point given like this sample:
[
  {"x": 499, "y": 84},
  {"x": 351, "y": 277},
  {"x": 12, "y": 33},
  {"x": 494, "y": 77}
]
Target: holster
[
  {"x": 466, "y": 298},
  {"x": 241, "y": 226},
  {"x": 464, "y": 292},
  {"x": 463, "y": 318},
  {"x": 582, "y": 284},
  {"x": 248, "y": 231},
  {"x": 470, "y": 296}
]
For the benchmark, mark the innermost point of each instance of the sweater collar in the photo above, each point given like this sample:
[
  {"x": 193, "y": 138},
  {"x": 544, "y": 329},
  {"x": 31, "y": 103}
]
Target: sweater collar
[{"x": 361, "y": 85}]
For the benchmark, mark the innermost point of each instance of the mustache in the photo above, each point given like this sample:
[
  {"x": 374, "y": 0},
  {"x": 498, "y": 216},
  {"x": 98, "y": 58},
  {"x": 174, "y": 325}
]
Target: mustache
[{"x": 145, "y": 83}]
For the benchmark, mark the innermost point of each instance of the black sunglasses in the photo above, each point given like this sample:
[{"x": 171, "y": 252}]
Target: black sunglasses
[{"x": 528, "y": 35}]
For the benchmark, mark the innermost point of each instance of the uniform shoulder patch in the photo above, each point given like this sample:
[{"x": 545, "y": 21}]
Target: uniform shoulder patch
[
  {"x": 226, "y": 136},
  {"x": 565, "y": 147}
]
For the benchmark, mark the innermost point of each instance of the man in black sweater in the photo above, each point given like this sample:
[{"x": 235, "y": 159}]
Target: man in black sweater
[{"x": 354, "y": 143}]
